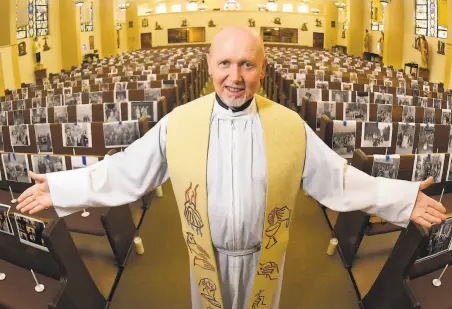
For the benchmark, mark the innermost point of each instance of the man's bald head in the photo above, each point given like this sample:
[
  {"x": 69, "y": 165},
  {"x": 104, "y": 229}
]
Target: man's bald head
[{"x": 236, "y": 64}]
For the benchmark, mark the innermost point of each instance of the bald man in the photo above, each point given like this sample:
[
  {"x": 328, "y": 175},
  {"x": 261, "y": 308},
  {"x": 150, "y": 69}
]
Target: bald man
[{"x": 236, "y": 161}]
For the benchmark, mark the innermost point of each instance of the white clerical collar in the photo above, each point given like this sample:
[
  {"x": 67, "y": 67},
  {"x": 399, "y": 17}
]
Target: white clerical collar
[{"x": 228, "y": 113}]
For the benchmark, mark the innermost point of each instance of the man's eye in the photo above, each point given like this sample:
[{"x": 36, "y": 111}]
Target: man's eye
[
  {"x": 247, "y": 65},
  {"x": 224, "y": 63}
]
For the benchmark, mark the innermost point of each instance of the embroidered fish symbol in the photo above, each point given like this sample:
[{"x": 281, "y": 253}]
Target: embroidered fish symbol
[{"x": 201, "y": 255}]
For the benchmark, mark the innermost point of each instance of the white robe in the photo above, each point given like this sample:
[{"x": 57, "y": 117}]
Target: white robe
[{"x": 236, "y": 185}]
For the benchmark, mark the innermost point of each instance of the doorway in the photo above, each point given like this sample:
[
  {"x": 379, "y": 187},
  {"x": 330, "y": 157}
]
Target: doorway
[
  {"x": 146, "y": 40},
  {"x": 318, "y": 40}
]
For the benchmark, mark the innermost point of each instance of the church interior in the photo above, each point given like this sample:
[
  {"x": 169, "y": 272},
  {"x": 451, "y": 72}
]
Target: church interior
[{"x": 81, "y": 80}]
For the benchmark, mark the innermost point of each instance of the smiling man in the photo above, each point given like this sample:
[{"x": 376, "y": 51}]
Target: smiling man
[{"x": 236, "y": 161}]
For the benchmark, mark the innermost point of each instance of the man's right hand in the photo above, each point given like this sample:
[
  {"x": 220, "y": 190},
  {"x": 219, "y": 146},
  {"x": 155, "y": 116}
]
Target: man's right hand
[{"x": 37, "y": 197}]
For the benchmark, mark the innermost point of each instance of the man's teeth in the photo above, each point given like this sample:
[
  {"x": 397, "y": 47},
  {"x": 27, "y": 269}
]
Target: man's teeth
[{"x": 233, "y": 89}]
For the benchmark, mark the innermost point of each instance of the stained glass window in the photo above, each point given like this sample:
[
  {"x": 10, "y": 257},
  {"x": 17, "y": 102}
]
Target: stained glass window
[
  {"x": 377, "y": 26},
  {"x": 87, "y": 27},
  {"x": 38, "y": 20},
  {"x": 427, "y": 19}
]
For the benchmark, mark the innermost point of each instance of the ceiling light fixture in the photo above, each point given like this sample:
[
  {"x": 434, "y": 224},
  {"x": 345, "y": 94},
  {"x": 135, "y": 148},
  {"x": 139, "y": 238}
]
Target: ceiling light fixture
[
  {"x": 79, "y": 3},
  {"x": 231, "y": 5},
  {"x": 202, "y": 7},
  {"x": 385, "y": 2},
  {"x": 124, "y": 6},
  {"x": 272, "y": 6},
  {"x": 192, "y": 6},
  {"x": 315, "y": 11}
]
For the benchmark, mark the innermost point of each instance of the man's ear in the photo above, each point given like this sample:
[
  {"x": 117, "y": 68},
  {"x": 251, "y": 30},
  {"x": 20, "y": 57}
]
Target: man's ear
[
  {"x": 209, "y": 59},
  {"x": 264, "y": 68}
]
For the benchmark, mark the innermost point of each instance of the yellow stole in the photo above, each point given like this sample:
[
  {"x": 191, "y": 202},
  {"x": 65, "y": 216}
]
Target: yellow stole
[{"x": 187, "y": 148}]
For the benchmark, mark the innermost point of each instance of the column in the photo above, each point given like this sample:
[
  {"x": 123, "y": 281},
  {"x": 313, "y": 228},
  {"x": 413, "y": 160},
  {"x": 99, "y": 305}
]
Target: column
[
  {"x": 70, "y": 34},
  {"x": 394, "y": 34},
  {"x": 108, "y": 42},
  {"x": 447, "y": 69},
  {"x": 356, "y": 29},
  {"x": 133, "y": 27},
  {"x": 9, "y": 53},
  {"x": 331, "y": 15}
]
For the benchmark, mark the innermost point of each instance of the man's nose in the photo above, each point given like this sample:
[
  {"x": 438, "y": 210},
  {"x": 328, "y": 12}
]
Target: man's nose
[{"x": 234, "y": 74}]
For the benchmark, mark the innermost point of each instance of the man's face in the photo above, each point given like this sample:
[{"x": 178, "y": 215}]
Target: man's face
[{"x": 236, "y": 67}]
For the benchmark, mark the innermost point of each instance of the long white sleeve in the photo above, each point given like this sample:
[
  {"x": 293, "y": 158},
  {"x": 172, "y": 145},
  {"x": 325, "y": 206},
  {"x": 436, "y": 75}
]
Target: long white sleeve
[
  {"x": 341, "y": 187},
  {"x": 116, "y": 180}
]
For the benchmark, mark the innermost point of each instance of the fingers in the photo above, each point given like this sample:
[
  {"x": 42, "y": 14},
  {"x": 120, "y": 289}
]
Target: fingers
[
  {"x": 29, "y": 206},
  {"x": 437, "y": 213},
  {"x": 423, "y": 222},
  {"x": 27, "y": 193},
  {"x": 39, "y": 207},
  {"x": 39, "y": 178},
  {"x": 432, "y": 219},
  {"x": 26, "y": 202},
  {"x": 426, "y": 183}
]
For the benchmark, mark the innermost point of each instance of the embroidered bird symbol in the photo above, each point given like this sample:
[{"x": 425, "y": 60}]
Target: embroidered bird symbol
[
  {"x": 190, "y": 212},
  {"x": 201, "y": 255}
]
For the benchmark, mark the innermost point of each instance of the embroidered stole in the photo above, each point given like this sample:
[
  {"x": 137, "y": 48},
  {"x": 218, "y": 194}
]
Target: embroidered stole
[{"x": 187, "y": 151}]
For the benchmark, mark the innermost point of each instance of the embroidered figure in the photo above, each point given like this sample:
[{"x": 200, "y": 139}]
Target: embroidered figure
[
  {"x": 275, "y": 218},
  {"x": 191, "y": 213},
  {"x": 209, "y": 287},
  {"x": 259, "y": 300},
  {"x": 269, "y": 270},
  {"x": 201, "y": 255}
]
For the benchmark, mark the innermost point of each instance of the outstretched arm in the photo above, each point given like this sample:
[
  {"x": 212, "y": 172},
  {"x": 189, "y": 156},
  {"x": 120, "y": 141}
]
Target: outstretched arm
[
  {"x": 116, "y": 180},
  {"x": 341, "y": 187}
]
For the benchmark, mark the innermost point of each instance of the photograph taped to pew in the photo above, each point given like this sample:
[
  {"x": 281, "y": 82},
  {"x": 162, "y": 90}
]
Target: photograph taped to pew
[
  {"x": 429, "y": 115},
  {"x": 16, "y": 167},
  {"x": 30, "y": 231},
  {"x": 362, "y": 97},
  {"x": 445, "y": 116},
  {"x": 376, "y": 134},
  {"x": 60, "y": 114},
  {"x": 5, "y": 223},
  {"x": 325, "y": 108},
  {"x": 36, "y": 102},
  {"x": 426, "y": 165},
  {"x": 386, "y": 166},
  {"x": 344, "y": 137},
  {"x": 168, "y": 83},
  {"x": 356, "y": 111},
  {"x": 384, "y": 113},
  {"x": 426, "y": 138},
  {"x": 449, "y": 170},
  {"x": 20, "y": 105},
  {"x": 400, "y": 91},
  {"x": 140, "y": 109},
  {"x": 437, "y": 103},
  {"x": 312, "y": 95},
  {"x": 112, "y": 112},
  {"x": 408, "y": 113},
  {"x": 84, "y": 113},
  {"x": 420, "y": 102},
  {"x": 322, "y": 85},
  {"x": 38, "y": 94},
  {"x": 77, "y": 134},
  {"x": 440, "y": 236},
  {"x": 48, "y": 164},
  {"x": 383, "y": 98},
  {"x": 121, "y": 96},
  {"x": 120, "y": 134},
  {"x": 143, "y": 85},
  {"x": 340, "y": 96},
  {"x": 38, "y": 115},
  {"x": 405, "y": 138},
  {"x": 18, "y": 117},
  {"x": 120, "y": 86},
  {"x": 95, "y": 97},
  {"x": 43, "y": 138},
  {"x": 71, "y": 99},
  {"x": 20, "y": 135},
  {"x": 152, "y": 94},
  {"x": 346, "y": 86},
  {"x": 56, "y": 100},
  {"x": 83, "y": 161},
  {"x": 67, "y": 90},
  {"x": 404, "y": 100},
  {"x": 6, "y": 106}
]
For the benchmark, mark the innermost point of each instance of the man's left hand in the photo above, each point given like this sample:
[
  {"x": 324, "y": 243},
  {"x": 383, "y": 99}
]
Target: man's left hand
[{"x": 427, "y": 211}]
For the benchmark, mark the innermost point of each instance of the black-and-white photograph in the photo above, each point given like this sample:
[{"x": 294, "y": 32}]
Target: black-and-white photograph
[
  {"x": 24, "y": 93},
  {"x": 386, "y": 166},
  {"x": 402, "y": 83},
  {"x": 151, "y": 77},
  {"x": 60, "y": 114},
  {"x": 387, "y": 83},
  {"x": 168, "y": 83},
  {"x": 67, "y": 90},
  {"x": 2, "y": 146},
  {"x": 86, "y": 88},
  {"x": 15, "y": 167},
  {"x": 140, "y": 109},
  {"x": 38, "y": 94},
  {"x": 415, "y": 92},
  {"x": 312, "y": 95},
  {"x": 112, "y": 112},
  {"x": 335, "y": 79},
  {"x": 120, "y": 134},
  {"x": 43, "y": 138},
  {"x": 7, "y": 106},
  {"x": 4, "y": 118},
  {"x": 48, "y": 164},
  {"x": 340, "y": 96},
  {"x": 18, "y": 117},
  {"x": 38, "y": 115},
  {"x": 322, "y": 85},
  {"x": 77, "y": 135},
  {"x": 30, "y": 231},
  {"x": 121, "y": 96},
  {"x": 429, "y": 115},
  {"x": 36, "y": 102},
  {"x": 319, "y": 78},
  {"x": 426, "y": 138},
  {"x": 382, "y": 98},
  {"x": 143, "y": 85},
  {"x": 384, "y": 113},
  {"x": 105, "y": 87},
  {"x": 376, "y": 134},
  {"x": 19, "y": 134},
  {"x": 173, "y": 76},
  {"x": 440, "y": 241},
  {"x": 445, "y": 116},
  {"x": 408, "y": 113},
  {"x": 5, "y": 222},
  {"x": 400, "y": 91},
  {"x": 69, "y": 99},
  {"x": 84, "y": 113},
  {"x": 344, "y": 137},
  {"x": 353, "y": 78},
  {"x": 426, "y": 165},
  {"x": 121, "y": 86},
  {"x": 95, "y": 97},
  {"x": 347, "y": 86},
  {"x": 362, "y": 97},
  {"x": 437, "y": 103},
  {"x": 356, "y": 111},
  {"x": 20, "y": 105},
  {"x": 325, "y": 108},
  {"x": 414, "y": 84},
  {"x": 82, "y": 161},
  {"x": 449, "y": 170},
  {"x": 405, "y": 138},
  {"x": 421, "y": 102},
  {"x": 77, "y": 98},
  {"x": 152, "y": 94},
  {"x": 404, "y": 100}
]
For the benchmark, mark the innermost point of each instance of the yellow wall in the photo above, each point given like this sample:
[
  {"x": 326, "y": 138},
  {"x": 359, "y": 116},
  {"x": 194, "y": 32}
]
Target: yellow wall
[
  {"x": 123, "y": 39},
  {"x": 331, "y": 14},
  {"x": 8, "y": 75},
  {"x": 222, "y": 19},
  {"x": 394, "y": 38},
  {"x": 355, "y": 33}
]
